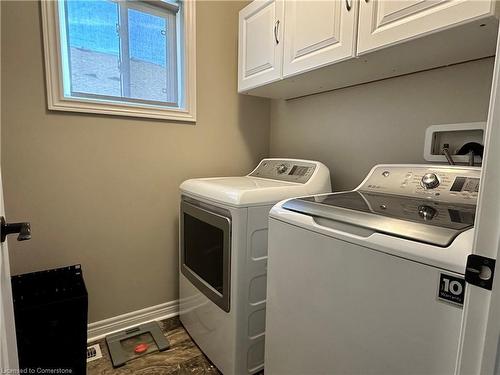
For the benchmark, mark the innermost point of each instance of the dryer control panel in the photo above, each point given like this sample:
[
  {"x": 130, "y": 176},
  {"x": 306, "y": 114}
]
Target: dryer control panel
[
  {"x": 285, "y": 170},
  {"x": 454, "y": 184}
]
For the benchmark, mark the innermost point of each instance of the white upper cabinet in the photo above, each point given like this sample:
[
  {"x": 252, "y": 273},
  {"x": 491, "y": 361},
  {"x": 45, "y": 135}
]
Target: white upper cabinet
[
  {"x": 386, "y": 22},
  {"x": 318, "y": 33},
  {"x": 291, "y": 48},
  {"x": 260, "y": 50}
]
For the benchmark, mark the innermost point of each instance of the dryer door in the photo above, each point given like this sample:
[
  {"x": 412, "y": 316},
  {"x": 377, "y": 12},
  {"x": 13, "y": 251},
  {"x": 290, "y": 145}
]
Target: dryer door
[{"x": 206, "y": 252}]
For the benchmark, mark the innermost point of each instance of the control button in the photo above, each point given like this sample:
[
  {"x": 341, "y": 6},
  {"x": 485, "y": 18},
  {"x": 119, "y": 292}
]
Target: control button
[
  {"x": 282, "y": 168},
  {"x": 426, "y": 212},
  {"x": 141, "y": 348},
  {"x": 430, "y": 181},
  {"x": 386, "y": 173}
]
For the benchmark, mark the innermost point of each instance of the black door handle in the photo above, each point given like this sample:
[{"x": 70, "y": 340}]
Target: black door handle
[{"x": 24, "y": 230}]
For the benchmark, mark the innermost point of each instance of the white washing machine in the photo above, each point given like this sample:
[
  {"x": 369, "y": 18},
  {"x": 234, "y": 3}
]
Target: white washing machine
[
  {"x": 371, "y": 281},
  {"x": 223, "y": 256}
]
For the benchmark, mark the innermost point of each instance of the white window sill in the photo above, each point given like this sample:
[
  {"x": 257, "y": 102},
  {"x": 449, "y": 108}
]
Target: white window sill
[{"x": 118, "y": 109}]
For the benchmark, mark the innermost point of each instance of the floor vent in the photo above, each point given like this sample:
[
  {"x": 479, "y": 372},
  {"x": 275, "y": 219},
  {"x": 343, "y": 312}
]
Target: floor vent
[{"x": 93, "y": 353}]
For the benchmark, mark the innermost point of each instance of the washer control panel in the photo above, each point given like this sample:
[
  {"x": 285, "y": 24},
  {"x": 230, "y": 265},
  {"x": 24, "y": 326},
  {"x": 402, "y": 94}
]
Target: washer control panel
[
  {"x": 284, "y": 170},
  {"x": 454, "y": 184},
  {"x": 430, "y": 181}
]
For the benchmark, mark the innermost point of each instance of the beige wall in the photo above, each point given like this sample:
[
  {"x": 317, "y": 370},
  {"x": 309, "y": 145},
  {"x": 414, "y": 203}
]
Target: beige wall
[
  {"x": 351, "y": 130},
  {"x": 103, "y": 191}
]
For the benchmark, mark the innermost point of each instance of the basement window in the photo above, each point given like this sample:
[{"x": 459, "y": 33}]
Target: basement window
[{"x": 128, "y": 58}]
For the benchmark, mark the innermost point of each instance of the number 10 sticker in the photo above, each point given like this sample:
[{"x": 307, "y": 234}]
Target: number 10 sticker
[{"x": 451, "y": 289}]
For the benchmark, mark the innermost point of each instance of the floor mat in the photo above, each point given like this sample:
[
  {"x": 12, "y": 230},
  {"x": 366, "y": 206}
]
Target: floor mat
[{"x": 182, "y": 358}]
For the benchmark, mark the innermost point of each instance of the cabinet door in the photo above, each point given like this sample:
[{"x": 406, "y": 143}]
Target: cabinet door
[
  {"x": 386, "y": 22},
  {"x": 260, "y": 49},
  {"x": 318, "y": 33}
]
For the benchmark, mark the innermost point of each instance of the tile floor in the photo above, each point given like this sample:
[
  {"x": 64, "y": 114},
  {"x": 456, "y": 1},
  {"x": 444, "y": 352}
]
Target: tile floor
[{"x": 183, "y": 357}]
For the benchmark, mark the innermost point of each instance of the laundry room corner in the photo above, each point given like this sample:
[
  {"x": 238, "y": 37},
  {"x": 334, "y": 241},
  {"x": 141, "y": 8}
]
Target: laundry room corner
[
  {"x": 350, "y": 129},
  {"x": 102, "y": 191},
  {"x": 249, "y": 187}
]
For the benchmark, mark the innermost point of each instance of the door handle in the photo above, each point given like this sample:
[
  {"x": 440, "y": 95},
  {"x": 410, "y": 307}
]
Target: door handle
[
  {"x": 276, "y": 27},
  {"x": 24, "y": 230}
]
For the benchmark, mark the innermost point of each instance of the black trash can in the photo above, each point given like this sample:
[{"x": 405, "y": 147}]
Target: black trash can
[{"x": 50, "y": 309}]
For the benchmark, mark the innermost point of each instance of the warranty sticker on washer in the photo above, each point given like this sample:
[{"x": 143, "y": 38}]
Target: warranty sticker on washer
[{"x": 451, "y": 289}]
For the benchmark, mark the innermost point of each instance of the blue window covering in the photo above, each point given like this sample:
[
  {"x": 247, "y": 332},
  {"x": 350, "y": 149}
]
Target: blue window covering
[{"x": 121, "y": 51}]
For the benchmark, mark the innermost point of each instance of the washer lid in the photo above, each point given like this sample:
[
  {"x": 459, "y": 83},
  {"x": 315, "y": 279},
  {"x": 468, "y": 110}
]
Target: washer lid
[
  {"x": 422, "y": 220},
  {"x": 243, "y": 191}
]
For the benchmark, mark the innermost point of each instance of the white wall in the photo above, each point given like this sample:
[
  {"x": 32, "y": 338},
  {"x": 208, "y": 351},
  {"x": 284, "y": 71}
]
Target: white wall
[{"x": 352, "y": 129}]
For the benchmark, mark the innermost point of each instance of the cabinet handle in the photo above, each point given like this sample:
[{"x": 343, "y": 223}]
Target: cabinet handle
[
  {"x": 348, "y": 5},
  {"x": 276, "y": 26}
]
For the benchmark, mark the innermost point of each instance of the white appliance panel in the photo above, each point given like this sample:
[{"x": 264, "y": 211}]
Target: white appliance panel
[
  {"x": 271, "y": 181},
  {"x": 234, "y": 340},
  {"x": 232, "y": 334},
  {"x": 335, "y": 307},
  {"x": 211, "y": 327}
]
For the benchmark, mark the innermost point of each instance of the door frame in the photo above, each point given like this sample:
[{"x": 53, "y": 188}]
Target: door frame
[
  {"x": 8, "y": 341},
  {"x": 479, "y": 341}
]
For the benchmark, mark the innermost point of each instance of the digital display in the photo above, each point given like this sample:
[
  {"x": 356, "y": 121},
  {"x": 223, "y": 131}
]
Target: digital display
[
  {"x": 458, "y": 216},
  {"x": 467, "y": 184},
  {"x": 298, "y": 170}
]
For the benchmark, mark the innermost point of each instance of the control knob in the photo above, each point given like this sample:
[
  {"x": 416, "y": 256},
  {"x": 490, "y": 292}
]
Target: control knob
[
  {"x": 426, "y": 212},
  {"x": 430, "y": 181},
  {"x": 282, "y": 168}
]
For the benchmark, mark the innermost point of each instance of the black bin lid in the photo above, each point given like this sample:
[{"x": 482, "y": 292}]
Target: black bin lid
[{"x": 49, "y": 286}]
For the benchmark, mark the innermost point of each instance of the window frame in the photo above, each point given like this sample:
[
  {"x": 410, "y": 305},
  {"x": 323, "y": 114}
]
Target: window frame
[{"x": 54, "y": 42}]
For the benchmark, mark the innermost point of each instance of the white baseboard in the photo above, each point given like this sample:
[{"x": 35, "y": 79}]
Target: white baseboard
[{"x": 102, "y": 328}]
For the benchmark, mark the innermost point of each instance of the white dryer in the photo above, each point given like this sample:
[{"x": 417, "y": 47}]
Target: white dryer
[
  {"x": 223, "y": 256},
  {"x": 371, "y": 281}
]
